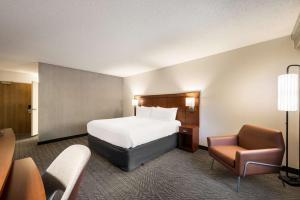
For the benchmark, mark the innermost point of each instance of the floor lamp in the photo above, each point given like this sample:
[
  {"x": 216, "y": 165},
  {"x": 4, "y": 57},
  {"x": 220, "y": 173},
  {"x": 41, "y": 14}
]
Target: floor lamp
[{"x": 288, "y": 100}]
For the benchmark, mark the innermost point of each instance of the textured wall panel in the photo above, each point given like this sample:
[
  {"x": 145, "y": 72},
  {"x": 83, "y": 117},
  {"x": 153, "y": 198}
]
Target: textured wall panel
[{"x": 70, "y": 98}]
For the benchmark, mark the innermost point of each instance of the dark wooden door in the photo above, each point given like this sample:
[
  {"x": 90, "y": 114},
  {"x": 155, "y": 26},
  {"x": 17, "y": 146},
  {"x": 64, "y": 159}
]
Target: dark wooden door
[{"x": 14, "y": 101}]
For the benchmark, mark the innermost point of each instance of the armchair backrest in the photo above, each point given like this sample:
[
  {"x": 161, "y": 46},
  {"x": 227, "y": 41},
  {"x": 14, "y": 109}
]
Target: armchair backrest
[
  {"x": 254, "y": 137},
  {"x": 67, "y": 169}
]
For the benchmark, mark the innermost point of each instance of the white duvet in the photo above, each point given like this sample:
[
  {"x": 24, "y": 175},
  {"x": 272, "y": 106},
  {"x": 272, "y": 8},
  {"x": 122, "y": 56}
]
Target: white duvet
[{"x": 130, "y": 132}]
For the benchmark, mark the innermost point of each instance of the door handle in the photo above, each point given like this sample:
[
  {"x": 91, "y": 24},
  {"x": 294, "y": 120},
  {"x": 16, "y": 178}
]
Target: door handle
[{"x": 30, "y": 110}]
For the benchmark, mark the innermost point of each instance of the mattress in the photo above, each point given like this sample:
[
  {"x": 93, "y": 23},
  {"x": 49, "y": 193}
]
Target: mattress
[{"x": 129, "y": 132}]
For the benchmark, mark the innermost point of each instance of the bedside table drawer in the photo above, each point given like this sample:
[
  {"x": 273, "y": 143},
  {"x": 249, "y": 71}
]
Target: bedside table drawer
[{"x": 185, "y": 130}]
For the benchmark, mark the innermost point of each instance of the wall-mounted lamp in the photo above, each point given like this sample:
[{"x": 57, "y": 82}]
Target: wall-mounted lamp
[
  {"x": 135, "y": 102},
  {"x": 190, "y": 103}
]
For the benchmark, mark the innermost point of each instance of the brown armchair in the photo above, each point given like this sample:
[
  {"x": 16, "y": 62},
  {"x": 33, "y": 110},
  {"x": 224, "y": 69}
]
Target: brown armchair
[{"x": 254, "y": 150}]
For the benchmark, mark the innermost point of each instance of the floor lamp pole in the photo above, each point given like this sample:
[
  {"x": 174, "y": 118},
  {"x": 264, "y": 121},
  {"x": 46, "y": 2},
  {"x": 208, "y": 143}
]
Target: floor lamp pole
[
  {"x": 287, "y": 142},
  {"x": 291, "y": 180}
]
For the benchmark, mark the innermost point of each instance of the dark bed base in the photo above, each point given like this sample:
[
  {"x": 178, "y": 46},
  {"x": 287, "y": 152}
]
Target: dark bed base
[{"x": 129, "y": 159}]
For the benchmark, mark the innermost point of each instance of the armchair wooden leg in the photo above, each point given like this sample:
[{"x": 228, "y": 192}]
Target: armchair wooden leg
[
  {"x": 212, "y": 164},
  {"x": 238, "y": 183}
]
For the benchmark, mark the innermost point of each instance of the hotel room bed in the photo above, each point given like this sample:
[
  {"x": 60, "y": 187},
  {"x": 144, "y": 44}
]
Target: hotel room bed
[{"x": 129, "y": 142}]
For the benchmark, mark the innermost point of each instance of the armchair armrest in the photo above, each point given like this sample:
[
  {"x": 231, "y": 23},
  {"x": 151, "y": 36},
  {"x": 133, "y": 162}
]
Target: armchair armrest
[
  {"x": 271, "y": 156},
  {"x": 222, "y": 140}
]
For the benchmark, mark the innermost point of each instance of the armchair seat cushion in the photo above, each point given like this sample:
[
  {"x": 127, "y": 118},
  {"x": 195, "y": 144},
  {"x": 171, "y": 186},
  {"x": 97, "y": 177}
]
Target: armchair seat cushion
[{"x": 226, "y": 153}]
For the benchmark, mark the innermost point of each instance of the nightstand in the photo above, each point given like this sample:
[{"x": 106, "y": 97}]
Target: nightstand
[{"x": 188, "y": 137}]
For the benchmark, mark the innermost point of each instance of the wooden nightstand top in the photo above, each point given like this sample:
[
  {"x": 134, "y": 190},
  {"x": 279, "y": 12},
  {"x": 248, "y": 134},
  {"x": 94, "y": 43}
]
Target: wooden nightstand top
[{"x": 189, "y": 126}]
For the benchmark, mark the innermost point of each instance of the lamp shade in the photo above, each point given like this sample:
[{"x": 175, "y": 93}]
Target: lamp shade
[
  {"x": 190, "y": 101},
  {"x": 288, "y": 92},
  {"x": 135, "y": 102}
]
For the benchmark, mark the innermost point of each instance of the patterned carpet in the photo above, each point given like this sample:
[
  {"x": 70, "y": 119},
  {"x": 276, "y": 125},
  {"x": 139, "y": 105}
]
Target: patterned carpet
[{"x": 174, "y": 175}]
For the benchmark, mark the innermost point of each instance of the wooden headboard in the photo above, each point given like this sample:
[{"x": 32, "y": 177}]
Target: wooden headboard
[{"x": 174, "y": 100}]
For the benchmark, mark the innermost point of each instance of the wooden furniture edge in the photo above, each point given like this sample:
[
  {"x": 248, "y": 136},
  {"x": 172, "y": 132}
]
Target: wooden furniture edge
[
  {"x": 7, "y": 149},
  {"x": 182, "y": 94},
  {"x": 24, "y": 182}
]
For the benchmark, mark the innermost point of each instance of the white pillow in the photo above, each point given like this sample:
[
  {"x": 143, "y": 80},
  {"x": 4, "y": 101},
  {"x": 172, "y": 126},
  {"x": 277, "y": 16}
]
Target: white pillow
[
  {"x": 143, "y": 112},
  {"x": 166, "y": 114}
]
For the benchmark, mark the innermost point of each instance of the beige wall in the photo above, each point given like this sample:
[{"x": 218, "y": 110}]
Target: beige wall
[
  {"x": 69, "y": 99},
  {"x": 17, "y": 77},
  {"x": 237, "y": 87}
]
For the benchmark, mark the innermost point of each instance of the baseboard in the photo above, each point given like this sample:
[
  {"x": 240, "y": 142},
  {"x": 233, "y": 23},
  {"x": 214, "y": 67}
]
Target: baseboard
[
  {"x": 203, "y": 147},
  {"x": 283, "y": 168},
  {"x": 63, "y": 138}
]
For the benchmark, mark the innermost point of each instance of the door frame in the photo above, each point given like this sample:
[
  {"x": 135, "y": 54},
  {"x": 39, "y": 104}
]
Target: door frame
[{"x": 34, "y": 108}]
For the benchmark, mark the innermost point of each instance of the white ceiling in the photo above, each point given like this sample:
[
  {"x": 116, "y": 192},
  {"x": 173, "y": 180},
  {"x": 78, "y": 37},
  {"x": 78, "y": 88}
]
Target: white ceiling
[{"x": 126, "y": 37}]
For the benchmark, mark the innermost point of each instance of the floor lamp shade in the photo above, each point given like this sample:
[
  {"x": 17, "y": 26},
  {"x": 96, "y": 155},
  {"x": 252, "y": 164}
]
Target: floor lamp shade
[{"x": 288, "y": 92}]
